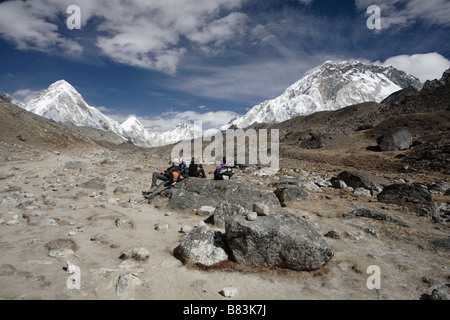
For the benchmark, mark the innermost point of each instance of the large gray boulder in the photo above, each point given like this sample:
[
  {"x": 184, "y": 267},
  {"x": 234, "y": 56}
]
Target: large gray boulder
[
  {"x": 414, "y": 195},
  {"x": 362, "y": 180},
  {"x": 278, "y": 240},
  {"x": 291, "y": 194},
  {"x": 195, "y": 193},
  {"x": 202, "y": 245},
  {"x": 395, "y": 141}
]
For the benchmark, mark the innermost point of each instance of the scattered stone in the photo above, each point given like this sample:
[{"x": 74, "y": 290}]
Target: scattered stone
[
  {"x": 441, "y": 293},
  {"x": 291, "y": 194},
  {"x": 371, "y": 231},
  {"x": 48, "y": 222},
  {"x": 372, "y": 214},
  {"x": 139, "y": 254},
  {"x": 94, "y": 184},
  {"x": 72, "y": 233},
  {"x": 334, "y": 234},
  {"x": 75, "y": 165},
  {"x": 162, "y": 226},
  {"x": 362, "y": 192},
  {"x": 225, "y": 210},
  {"x": 206, "y": 211},
  {"x": 121, "y": 190},
  {"x": 98, "y": 237},
  {"x": 362, "y": 180},
  {"x": 395, "y": 141},
  {"x": 441, "y": 243},
  {"x": 186, "y": 229},
  {"x": 252, "y": 216},
  {"x": 106, "y": 161},
  {"x": 28, "y": 205},
  {"x": 415, "y": 196},
  {"x": 14, "y": 221},
  {"x": 261, "y": 209},
  {"x": 229, "y": 292},
  {"x": 202, "y": 245},
  {"x": 49, "y": 201},
  {"x": 123, "y": 222},
  {"x": 61, "y": 248},
  {"x": 279, "y": 240},
  {"x": 126, "y": 284}
]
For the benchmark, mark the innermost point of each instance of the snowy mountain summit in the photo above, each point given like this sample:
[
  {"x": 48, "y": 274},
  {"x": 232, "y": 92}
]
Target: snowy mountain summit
[
  {"x": 62, "y": 103},
  {"x": 330, "y": 87}
]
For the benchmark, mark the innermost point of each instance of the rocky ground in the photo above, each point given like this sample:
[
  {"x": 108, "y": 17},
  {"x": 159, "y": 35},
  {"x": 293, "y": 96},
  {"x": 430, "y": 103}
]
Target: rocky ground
[{"x": 87, "y": 210}]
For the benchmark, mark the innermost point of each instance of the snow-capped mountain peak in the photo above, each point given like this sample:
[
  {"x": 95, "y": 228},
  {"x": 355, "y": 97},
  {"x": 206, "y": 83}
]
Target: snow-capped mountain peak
[
  {"x": 62, "y": 102},
  {"x": 332, "y": 86}
]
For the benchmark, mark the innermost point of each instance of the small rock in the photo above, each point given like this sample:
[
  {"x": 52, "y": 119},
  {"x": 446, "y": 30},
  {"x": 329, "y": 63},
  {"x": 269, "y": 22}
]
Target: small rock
[
  {"x": 261, "y": 209},
  {"x": 121, "y": 190},
  {"x": 362, "y": 192},
  {"x": 162, "y": 226},
  {"x": 252, "y": 216},
  {"x": 229, "y": 292},
  {"x": 48, "y": 222},
  {"x": 126, "y": 284},
  {"x": 334, "y": 234},
  {"x": 98, "y": 237},
  {"x": 206, "y": 211},
  {"x": 186, "y": 229},
  {"x": 371, "y": 231},
  {"x": 139, "y": 254},
  {"x": 49, "y": 201},
  {"x": 124, "y": 222}
]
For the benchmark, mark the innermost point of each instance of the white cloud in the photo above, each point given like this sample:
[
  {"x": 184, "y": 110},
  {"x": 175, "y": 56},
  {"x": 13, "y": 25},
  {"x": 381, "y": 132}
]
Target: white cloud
[
  {"x": 403, "y": 13},
  {"x": 28, "y": 25},
  {"x": 425, "y": 67},
  {"x": 26, "y": 95},
  {"x": 147, "y": 34}
]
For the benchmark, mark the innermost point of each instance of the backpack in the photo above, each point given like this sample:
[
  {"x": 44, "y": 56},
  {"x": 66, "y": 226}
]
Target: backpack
[
  {"x": 223, "y": 170},
  {"x": 193, "y": 172}
]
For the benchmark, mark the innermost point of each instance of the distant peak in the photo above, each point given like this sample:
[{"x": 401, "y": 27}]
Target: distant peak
[{"x": 61, "y": 84}]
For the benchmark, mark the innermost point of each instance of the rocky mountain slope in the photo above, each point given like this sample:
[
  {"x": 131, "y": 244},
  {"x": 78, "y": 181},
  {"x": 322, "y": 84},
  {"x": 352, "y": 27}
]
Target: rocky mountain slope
[
  {"x": 330, "y": 87},
  {"x": 349, "y": 135}
]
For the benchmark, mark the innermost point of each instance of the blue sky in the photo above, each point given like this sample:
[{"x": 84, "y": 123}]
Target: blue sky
[{"x": 207, "y": 60}]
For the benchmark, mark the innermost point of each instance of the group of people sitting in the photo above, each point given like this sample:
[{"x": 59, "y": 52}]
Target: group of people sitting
[{"x": 179, "y": 171}]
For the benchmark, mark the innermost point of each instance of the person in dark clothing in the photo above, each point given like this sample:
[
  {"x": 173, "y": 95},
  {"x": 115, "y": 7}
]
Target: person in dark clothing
[
  {"x": 168, "y": 174},
  {"x": 196, "y": 170}
]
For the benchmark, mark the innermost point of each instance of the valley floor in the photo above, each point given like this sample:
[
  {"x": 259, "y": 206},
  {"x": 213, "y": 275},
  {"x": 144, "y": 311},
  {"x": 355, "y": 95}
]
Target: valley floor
[{"x": 49, "y": 218}]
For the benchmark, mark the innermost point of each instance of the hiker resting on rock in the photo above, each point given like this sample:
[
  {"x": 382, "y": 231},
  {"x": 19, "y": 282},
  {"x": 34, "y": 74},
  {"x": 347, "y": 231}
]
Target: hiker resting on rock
[
  {"x": 224, "y": 171},
  {"x": 196, "y": 170},
  {"x": 171, "y": 174}
]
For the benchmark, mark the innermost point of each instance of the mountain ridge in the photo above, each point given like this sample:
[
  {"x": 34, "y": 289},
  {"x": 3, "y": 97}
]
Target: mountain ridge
[{"x": 332, "y": 86}]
